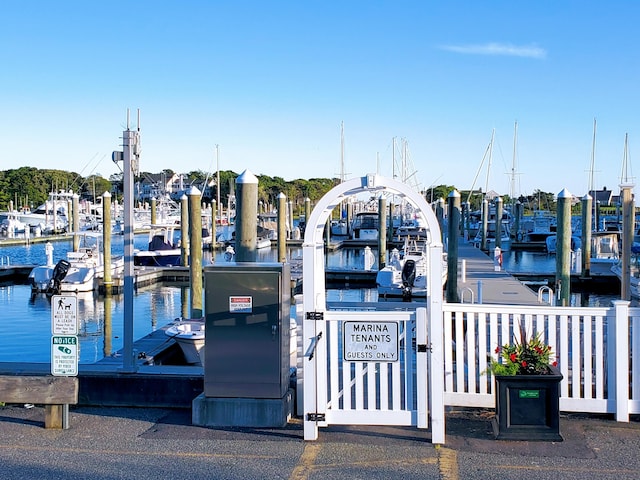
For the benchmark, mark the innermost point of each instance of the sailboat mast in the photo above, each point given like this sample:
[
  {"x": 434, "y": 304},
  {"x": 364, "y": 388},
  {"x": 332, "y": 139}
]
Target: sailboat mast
[
  {"x": 624, "y": 175},
  {"x": 512, "y": 193},
  {"x": 486, "y": 183},
  {"x": 393, "y": 157},
  {"x": 592, "y": 191},
  {"x": 218, "y": 183},
  {"x": 593, "y": 163},
  {"x": 342, "y": 152}
]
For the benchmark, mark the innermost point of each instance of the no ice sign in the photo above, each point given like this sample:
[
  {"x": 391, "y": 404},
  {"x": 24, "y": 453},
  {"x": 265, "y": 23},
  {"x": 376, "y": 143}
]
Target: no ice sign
[{"x": 64, "y": 355}]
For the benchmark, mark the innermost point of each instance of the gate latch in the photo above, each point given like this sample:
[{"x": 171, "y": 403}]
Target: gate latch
[
  {"x": 315, "y": 417},
  {"x": 424, "y": 348},
  {"x": 312, "y": 347}
]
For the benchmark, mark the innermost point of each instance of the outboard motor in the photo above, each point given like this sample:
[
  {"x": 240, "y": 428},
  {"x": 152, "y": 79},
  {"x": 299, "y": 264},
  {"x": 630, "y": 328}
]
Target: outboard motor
[
  {"x": 408, "y": 278},
  {"x": 59, "y": 272}
]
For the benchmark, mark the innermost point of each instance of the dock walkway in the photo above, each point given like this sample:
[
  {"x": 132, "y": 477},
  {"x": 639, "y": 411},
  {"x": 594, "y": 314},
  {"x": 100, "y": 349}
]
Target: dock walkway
[{"x": 487, "y": 284}]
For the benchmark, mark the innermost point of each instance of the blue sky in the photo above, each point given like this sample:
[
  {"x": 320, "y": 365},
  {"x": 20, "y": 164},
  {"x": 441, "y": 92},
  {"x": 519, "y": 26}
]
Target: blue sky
[{"x": 271, "y": 83}]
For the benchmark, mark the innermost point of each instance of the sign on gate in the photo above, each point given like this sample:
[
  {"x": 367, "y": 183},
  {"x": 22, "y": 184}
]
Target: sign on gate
[{"x": 370, "y": 341}]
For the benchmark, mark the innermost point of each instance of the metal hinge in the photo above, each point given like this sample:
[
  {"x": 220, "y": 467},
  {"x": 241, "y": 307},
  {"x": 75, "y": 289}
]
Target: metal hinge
[
  {"x": 424, "y": 348},
  {"x": 315, "y": 417},
  {"x": 315, "y": 315}
]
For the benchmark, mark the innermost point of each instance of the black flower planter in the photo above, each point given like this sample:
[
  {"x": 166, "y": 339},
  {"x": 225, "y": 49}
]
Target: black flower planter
[{"x": 528, "y": 407}]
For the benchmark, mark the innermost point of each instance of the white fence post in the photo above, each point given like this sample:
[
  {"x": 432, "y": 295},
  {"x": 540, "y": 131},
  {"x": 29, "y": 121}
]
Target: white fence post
[
  {"x": 436, "y": 368},
  {"x": 421, "y": 368},
  {"x": 621, "y": 349}
]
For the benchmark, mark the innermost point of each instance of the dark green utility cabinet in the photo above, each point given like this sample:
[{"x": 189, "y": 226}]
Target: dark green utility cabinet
[{"x": 247, "y": 330}]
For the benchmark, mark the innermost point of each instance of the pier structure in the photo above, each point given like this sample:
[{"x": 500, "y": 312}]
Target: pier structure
[{"x": 156, "y": 382}]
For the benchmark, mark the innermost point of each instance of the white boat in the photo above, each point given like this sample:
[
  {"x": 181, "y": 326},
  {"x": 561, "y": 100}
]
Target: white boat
[
  {"x": 414, "y": 227},
  {"x": 605, "y": 247},
  {"x": 339, "y": 228},
  {"x": 79, "y": 272},
  {"x": 162, "y": 252},
  {"x": 634, "y": 281},
  {"x": 365, "y": 226},
  {"x": 551, "y": 241},
  {"x": 50, "y": 217},
  {"x": 189, "y": 334},
  {"x": 267, "y": 225},
  {"x": 505, "y": 236},
  {"x": 262, "y": 242},
  {"x": 228, "y": 238},
  {"x": 12, "y": 225},
  {"x": 406, "y": 273},
  {"x": 537, "y": 227}
]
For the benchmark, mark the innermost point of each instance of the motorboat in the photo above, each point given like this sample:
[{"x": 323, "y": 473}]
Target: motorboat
[
  {"x": 365, "y": 226},
  {"x": 537, "y": 227},
  {"x": 505, "y": 236},
  {"x": 551, "y": 241},
  {"x": 605, "y": 247},
  {"x": 79, "y": 272},
  {"x": 339, "y": 227},
  {"x": 189, "y": 335},
  {"x": 634, "y": 280},
  {"x": 50, "y": 217},
  {"x": 162, "y": 252},
  {"x": 228, "y": 238},
  {"x": 413, "y": 227},
  {"x": 406, "y": 273},
  {"x": 12, "y": 225},
  {"x": 262, "y": 242}
]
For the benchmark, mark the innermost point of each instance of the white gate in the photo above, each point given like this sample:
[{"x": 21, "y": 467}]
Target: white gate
[{"x": 371, "y": 367}]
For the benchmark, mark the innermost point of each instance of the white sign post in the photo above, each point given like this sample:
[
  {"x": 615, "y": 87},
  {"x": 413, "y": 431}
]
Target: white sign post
[{"x": 64, "y": 340}]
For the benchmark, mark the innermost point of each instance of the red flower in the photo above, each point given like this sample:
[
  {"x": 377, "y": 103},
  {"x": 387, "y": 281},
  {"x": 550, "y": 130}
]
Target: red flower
[
  {"x": 498, "y": 349},
  {"x": 513, "y": 357},
  {"x": 555, "y": 364},
  {"x": 524, "y": 364}
]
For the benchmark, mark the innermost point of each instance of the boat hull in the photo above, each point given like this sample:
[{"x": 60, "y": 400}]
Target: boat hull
[
  {"x": 158, "y": 258},
  {"x": 189, "y": 335}
]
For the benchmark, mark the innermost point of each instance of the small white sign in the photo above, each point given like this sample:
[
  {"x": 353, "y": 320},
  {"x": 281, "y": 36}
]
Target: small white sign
[
  {"x": 370, "y": 341},
  {"x": 64, "y": 355},
  {"x": 240, "y": 304},
  {"x": 64, "y": 315}
]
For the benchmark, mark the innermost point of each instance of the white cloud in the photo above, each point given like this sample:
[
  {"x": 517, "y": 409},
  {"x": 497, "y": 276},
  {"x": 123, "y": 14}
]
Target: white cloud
[{"x": 530, "y": 51}]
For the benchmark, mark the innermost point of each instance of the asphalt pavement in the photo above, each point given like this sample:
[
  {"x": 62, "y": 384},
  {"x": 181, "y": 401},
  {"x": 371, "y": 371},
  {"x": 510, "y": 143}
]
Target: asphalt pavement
[{"x": 151, "y": 443}]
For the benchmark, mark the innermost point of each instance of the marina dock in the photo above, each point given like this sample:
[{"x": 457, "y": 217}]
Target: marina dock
[{"x": 483, "y": 284}]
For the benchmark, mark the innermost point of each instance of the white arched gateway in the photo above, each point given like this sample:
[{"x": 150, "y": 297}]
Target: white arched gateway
[{"x": 384, "y": 379}]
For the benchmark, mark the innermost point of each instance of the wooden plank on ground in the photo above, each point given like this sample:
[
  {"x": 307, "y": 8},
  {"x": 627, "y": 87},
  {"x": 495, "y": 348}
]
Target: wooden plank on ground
[{"x": 47, "y": 390}]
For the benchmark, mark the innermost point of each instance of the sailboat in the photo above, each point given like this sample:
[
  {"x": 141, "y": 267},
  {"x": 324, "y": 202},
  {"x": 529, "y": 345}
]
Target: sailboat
[
  {"x": 492, "y": 221},
  {"x": 628, "y": 269}
]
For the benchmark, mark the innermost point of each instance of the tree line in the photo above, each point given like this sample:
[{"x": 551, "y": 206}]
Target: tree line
[{"x": 30, "y": 187}]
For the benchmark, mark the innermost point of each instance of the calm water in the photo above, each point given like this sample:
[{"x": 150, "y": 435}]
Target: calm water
[{"x": 25, "y": 325}]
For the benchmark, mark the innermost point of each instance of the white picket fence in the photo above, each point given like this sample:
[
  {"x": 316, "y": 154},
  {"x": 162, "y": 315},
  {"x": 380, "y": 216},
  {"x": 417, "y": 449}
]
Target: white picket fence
[{"x": 594, "y": 349}]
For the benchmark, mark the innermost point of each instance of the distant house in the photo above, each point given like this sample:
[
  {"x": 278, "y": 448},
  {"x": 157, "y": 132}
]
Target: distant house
[
  {"x": 156, "y": 185},
  {"x": 605, "y": 197},
  {"x": 492, "y": 195}
]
